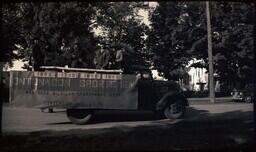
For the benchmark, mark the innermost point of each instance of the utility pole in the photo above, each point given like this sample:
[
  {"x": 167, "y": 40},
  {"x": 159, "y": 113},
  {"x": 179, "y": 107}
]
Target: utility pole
[
  {"x": 210, "y": 59},
  {"x": 1, "y": 100}
]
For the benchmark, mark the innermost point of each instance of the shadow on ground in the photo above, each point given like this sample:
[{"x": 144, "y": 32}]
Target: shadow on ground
[
  {"x": 133, "y": 116},
  {"x": 200, "y": 130}
]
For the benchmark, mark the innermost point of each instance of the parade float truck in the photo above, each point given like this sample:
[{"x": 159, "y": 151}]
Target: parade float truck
[{"x": 83, "y": 91}]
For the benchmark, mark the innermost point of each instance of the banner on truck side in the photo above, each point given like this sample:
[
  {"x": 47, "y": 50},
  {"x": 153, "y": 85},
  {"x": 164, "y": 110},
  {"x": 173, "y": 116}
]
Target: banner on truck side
[{"x": 73, "y": 90}]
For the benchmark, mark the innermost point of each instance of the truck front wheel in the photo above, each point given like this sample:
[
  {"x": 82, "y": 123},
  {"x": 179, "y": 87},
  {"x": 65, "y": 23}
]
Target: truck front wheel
[
  {"x": 79, "y": 116},
  {"x": 174, "y": 110},
  {"x": 248, "y": 99}
]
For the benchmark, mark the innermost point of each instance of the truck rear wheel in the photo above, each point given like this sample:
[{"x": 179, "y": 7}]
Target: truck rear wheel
[
  {"x": 79, "y": 116},
  {"x": 174, "y": 110}
]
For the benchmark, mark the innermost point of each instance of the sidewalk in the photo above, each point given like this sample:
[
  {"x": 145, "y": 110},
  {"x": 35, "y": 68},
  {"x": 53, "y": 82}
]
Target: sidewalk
[{"x": 207, "y": 100}]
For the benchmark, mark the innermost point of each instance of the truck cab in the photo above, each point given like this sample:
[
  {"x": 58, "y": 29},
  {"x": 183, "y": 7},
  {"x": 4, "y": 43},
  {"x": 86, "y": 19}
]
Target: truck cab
[{"x": 163, "y": 97}]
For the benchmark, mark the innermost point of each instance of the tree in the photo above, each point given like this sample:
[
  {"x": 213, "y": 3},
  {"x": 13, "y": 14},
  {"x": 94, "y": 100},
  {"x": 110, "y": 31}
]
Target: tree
[
  {"x": 11, "y": 32},
  {"x": 179, "y": 34},
  {"x": 121, "y": 27},
  {"x": 234, "y": 55},
  {"x": 50, "y": 23},
  {"x": 177, "y": 28}
]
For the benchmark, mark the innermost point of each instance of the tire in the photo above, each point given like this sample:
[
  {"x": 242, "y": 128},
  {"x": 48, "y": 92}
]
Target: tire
[
  {"x": 79, "y": 116},
  {"x": 248, "y": 99},
  {"x": 174, "y": 110},
  {"x": 50, "y": 110}
]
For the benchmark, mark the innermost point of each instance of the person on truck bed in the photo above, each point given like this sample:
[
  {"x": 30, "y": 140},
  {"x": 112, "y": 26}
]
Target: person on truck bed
[
  {"x": 102, "y": 59},
  {"x": 50, "y": 55},
  {"x": 37, "y": 57},
  {"x": 77, "y": 61},
  {"x": 119, "y": 58},
  {"x": 65, "y": 56}
]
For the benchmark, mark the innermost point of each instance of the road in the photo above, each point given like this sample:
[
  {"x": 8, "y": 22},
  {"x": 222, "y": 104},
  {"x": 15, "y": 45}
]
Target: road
[{"x": 221, "y": 125}]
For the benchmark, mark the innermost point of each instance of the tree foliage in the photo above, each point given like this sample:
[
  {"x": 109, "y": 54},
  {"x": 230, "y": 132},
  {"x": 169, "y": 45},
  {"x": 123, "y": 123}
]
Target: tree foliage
[
  {"x": 233, "y": 39},
  {"x": 179, "y": 34},
  {"x": 121, "y": 27},
  {"x": 50, "y": 23},
  {"x": 177, "y": 28},
  {"x": 10, "y": 32}
]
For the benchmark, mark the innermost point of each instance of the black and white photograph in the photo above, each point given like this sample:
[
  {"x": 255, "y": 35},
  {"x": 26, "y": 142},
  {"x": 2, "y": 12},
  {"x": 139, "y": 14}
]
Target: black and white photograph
[{"x": 127, "y": 75}]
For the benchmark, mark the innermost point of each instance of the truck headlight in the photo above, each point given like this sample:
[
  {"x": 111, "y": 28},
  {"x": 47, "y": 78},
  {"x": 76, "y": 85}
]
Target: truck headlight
[
  {"x": 231, "y": 93},
  {"x": 241, "y": 93}
]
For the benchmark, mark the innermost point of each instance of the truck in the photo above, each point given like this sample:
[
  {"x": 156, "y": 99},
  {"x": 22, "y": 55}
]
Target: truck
[{"x": 82, "y": 92}]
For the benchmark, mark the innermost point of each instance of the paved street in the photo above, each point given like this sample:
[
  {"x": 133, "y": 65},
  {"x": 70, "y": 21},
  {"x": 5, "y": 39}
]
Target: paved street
[
  {"x": 22, "y": 120},
  {"x": 221, "y": 125},
  {"x": 16, "y": 119}
]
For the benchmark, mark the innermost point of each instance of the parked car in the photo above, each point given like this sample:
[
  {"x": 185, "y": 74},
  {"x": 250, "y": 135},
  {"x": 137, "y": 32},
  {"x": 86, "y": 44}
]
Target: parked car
[{"x": 244, "y": 95}]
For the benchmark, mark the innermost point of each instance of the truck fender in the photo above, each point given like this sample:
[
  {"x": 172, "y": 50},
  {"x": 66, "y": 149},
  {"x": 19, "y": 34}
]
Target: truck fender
[{"x": 164, "y": 100}]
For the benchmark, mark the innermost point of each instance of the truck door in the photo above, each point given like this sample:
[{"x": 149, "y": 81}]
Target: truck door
[{"x": 145, "y": 94}]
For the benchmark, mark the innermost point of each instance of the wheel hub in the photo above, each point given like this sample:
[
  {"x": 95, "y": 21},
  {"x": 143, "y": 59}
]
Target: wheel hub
[
  {"x": 174, "y": 111},
  {"x": 174, "y": 108}
]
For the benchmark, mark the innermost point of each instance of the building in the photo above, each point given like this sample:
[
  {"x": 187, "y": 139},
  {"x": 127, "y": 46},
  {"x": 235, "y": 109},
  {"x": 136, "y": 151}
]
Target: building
[{"x": 198, "y": 78}]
